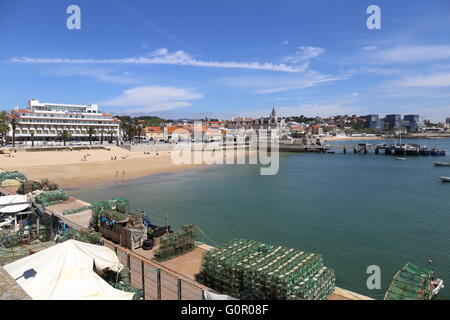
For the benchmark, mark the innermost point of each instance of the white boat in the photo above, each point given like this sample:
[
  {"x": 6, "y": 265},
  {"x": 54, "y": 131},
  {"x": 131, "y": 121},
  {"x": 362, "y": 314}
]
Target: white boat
[
  {"x": 441, "y": 164},
  {"x": 444, "y": 179},
  {"x": 401, "y": 159},
  {"x": 438, "y": 284}
]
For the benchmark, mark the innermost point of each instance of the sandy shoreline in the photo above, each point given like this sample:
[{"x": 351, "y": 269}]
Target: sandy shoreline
[{"x": 67, "y": 169}]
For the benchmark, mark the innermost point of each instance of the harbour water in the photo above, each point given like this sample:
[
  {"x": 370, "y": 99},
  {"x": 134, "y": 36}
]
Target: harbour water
[{"x": 356, "y": 210}]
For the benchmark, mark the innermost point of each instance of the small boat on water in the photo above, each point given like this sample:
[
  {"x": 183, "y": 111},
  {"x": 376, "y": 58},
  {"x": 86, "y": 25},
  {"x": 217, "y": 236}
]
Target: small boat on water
[
  {"x": 438, "y": 285},
  {"x": 444, "y": 179},
  {"x": 441, "y": 164},
  {"x": 401, "y": 159}
]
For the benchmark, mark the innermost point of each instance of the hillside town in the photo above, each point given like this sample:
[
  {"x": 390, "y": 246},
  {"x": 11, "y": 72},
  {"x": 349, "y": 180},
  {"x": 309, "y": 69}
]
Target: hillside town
[{"x": 47, "y": 123}]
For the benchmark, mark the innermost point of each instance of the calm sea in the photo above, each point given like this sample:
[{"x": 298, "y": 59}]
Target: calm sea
[{"x": 355, "y": 210}]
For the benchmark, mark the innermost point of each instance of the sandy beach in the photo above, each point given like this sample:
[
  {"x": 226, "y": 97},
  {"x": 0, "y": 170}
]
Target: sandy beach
[{"x": 67, "y": 169}]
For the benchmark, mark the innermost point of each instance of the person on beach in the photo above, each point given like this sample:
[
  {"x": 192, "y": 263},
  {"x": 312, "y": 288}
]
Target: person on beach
[
  {"x": 117, "y": 173},
  {"x": 123, "y": 173}
]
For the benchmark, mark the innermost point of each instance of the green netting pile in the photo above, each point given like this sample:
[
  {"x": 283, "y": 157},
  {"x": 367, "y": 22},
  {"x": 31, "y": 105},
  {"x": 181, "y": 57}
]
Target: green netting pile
[
  {"x": 412, "y": 282},
  {"x": 49, "y": 198},
  {"x": 115, "y": 209},
  {"x": 10, "y": 183},
  {"x": 247, "y": 269},
  {"x": 84, "y": 235},
  {"x": 76, "y": 210},
  {"x": 11, "y": 175},
  {"x": 177, "y": 243}
]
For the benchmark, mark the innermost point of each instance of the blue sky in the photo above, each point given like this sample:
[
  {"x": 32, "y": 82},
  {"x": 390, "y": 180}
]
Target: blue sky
[{"x": 229, "y": 58}]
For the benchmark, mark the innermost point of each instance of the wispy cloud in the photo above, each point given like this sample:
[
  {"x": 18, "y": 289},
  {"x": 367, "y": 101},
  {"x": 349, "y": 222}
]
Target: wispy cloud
[
  {"x": 275, "y": 84},
  {"x": 163, "y": 56},
  {"x": 405, "y": 54},
  {"x": 97, "y": 74},
  {"x": 430, "y": 80},
  {"x": 153, "y": 98},
  {"x": 304, "y": 54}
]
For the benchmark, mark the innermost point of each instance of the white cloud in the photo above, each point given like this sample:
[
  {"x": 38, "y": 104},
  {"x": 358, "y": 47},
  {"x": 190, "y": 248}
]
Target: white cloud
[
  {"x": 275, "y": 84},
  {"x": 409, "y": 54},
  {"x": 153, "y": 98},
  {"x": 304, "y": 54},
  {"x": 285, "y": 42},
  {"x": 431, "y": 80},
  {"x": 98, "y": 74},
  {"x": 163, "y": 56},
  {"x": 369, "y": 48}
]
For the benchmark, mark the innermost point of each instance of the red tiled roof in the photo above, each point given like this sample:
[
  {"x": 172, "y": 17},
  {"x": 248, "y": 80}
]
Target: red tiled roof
[{"x": 154, "y": 129}]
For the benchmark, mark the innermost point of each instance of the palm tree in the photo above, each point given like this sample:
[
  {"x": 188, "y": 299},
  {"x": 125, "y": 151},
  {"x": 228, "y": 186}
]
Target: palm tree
[
  {"x": 139, "y": 129},
  {"x": 65, "y": 135},
  {"x": 13, "y": 122},
  {"x": 91, "y": 131},
  {"x": 4, "y": 126},
  {"x": 32, "y": 132},
  {"x": 112, "y": 133}
]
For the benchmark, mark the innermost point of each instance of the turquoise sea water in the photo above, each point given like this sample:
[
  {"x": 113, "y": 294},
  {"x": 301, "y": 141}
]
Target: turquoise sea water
[{"x": 355, "y": 210}]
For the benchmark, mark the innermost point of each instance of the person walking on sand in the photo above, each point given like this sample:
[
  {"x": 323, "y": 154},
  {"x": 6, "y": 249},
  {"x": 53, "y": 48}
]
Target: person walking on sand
[
  {"x": 123, "y": 173},
  {"x": 117, "y": 173}
]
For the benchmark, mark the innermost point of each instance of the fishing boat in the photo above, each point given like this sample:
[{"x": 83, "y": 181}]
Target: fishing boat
[
  {"x": 444, "y": 179},
  {"x": 441, "y": 164},
  {"x": 438, "y": 286}
]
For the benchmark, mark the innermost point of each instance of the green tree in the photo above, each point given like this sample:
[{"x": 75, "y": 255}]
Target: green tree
[
  {"x": 65, "y": 135},
  {"x": 4, "y": 126},
  {"x": 90, "y": 131},
  {"x": 32, "y": 133},
  {"x": 14, "y": 123}
]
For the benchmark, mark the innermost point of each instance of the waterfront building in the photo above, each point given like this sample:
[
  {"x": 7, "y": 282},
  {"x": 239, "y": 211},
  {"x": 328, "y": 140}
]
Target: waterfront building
[
  {"x": 412, "y": 122},
  {"x": 271, "y": 124},
  {"x": 447, "y": 120},
  {"x": 371, "y": 117},
  {"x": 394, "y": 121},
  {"x": 176, "y": 133},
  {"x": 154, "y": 133},
  {"x": 372, "y": 121},
  {"x": 45, "y": 121}
]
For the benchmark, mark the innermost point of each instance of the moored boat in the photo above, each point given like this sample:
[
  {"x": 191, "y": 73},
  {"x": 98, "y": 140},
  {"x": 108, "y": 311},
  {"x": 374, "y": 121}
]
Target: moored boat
[
  {"x": 444, "y": 179},
  {"x": 441, "y": 164}
]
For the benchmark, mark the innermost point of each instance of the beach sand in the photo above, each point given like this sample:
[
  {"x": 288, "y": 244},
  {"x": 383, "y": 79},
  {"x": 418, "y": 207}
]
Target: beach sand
[{"x": 67, "y": 169}]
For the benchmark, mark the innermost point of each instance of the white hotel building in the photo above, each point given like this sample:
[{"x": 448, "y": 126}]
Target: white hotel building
[{"x": 47, "y": 120}]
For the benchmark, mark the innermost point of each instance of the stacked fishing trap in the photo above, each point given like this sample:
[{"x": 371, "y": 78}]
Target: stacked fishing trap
[
  {"x": 177, "y": 243},
  {"x": 412, "y": 282},
  {"x": 49, "y": 198},
  {"x": 250, "y": 270}
]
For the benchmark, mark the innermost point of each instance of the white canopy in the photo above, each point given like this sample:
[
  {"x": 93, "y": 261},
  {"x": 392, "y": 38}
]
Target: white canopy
[
  {"x": 13, "y": 204},
  {"x": 65, "y": 272}
]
